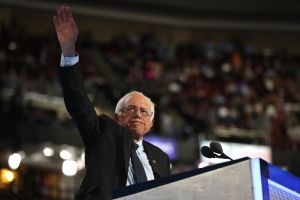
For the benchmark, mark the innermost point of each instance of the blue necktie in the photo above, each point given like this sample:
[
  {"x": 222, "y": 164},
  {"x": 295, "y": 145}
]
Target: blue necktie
[{"x": 139, "y": 172}]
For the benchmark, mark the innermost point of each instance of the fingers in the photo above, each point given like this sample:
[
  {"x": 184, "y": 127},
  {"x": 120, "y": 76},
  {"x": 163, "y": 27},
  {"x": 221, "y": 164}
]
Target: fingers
[
  {"x": 60, "y": 15},
  {"x": 55, "y": 21},
  {"x": 64, "y": 15},
  {"x": 69, "y": 14}
]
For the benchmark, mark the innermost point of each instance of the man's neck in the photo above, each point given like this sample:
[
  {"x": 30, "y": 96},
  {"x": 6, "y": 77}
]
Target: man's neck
[{"x": 137, "y": 140}]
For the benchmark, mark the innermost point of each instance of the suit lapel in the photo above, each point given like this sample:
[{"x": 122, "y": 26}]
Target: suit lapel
[{"x": 151, "y": 158}]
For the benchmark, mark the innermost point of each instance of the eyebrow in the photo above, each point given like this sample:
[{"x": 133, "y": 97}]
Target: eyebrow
[{"x": 137, "y": 107}]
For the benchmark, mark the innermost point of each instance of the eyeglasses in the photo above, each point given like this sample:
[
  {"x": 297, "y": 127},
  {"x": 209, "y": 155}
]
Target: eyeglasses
[{"x": 133, "y": 110}]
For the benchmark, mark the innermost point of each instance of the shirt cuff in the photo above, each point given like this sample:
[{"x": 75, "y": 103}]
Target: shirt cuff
[{"x": 68, "y": 61}]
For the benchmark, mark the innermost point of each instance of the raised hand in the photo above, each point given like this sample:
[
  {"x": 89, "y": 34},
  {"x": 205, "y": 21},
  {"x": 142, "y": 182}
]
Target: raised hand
[{"x": 66, "y": 30}]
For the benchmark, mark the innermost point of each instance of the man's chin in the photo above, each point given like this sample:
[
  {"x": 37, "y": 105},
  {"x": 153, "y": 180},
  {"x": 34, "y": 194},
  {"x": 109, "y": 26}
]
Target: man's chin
[{"x": 137, "y": 133}]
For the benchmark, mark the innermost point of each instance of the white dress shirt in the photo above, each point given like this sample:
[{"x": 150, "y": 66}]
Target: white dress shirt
[
  {"x": 147, "y": 167},
  {"x": 68, "y": 61}
]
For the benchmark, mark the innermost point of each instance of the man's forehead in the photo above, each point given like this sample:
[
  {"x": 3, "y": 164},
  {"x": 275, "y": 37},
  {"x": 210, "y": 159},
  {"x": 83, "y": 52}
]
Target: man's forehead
[{"x": 137, "y": 100}]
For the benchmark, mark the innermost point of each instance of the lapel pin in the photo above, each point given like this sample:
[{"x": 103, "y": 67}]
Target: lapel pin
[{"x": 154, "y": 161}]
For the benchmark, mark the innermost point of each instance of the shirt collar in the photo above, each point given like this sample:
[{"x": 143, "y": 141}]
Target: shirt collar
[{"x": 141, "y": 147}]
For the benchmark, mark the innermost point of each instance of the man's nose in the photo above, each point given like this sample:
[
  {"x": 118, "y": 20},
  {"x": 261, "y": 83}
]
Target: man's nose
[{"x": 138, "y": 113}]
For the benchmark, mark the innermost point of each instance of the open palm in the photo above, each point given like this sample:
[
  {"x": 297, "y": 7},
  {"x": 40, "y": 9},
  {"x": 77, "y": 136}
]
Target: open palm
[{"x": 66, "y": 29}]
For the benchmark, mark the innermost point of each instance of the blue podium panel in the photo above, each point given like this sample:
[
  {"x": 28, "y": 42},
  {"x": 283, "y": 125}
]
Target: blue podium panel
[{"x": 282, "y": 185}]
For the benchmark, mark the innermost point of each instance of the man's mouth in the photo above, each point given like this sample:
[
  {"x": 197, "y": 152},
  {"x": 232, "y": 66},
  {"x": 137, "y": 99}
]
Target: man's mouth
[{"x": 136, "y": 122}]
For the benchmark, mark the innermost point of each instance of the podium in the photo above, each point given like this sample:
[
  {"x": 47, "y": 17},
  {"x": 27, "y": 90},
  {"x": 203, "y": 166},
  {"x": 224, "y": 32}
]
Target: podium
[{"x": 240, "y": 179}]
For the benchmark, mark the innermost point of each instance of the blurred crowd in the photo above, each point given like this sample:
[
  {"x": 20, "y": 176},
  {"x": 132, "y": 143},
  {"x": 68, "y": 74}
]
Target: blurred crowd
[{"x": 199, "y": 86}]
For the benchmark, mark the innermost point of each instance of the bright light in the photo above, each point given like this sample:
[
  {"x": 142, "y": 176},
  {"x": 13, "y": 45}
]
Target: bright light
[
  {"x": 48, "y": 151},
  {"x": 7, "y": 176},
  {"x": 80, "y": 161},
  {"x": 69, "y": 167},
  {"x": 14, "y": 160},
  {"x": 65, "y": 154}
]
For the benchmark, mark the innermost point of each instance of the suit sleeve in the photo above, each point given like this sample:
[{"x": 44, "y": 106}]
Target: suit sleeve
[{"x": 77, "y": 102}]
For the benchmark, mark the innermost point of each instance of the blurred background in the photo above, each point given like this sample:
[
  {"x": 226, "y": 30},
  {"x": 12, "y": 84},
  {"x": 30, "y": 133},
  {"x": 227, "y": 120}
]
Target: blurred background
[{"x": 217, "y": 70}]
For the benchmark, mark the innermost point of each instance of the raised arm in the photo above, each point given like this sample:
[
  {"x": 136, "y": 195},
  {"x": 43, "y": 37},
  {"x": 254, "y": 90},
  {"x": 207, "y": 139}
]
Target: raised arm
[{"x": 75, "y": 97}]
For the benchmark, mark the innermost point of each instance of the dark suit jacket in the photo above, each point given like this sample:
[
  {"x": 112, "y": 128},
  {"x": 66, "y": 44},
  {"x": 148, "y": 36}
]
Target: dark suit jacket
[{"x": 107, "y": 144}]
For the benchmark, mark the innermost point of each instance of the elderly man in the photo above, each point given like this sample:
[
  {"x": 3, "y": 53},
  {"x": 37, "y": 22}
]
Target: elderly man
[{"x": 116, "y": 154}]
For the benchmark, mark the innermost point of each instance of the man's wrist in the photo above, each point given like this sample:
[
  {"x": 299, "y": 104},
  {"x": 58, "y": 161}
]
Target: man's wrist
[{"x": 68, "y": 50}]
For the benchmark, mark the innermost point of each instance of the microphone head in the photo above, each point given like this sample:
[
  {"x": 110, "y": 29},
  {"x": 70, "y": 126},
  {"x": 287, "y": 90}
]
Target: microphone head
[
  {"x": 207, "y": 152},
  {"x": 216, "y": 147}
]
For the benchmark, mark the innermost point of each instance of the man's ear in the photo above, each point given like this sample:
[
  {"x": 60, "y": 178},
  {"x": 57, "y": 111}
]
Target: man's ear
[
  {"x": 117, "y": 117},
  {"x": 152, "y": 122}
]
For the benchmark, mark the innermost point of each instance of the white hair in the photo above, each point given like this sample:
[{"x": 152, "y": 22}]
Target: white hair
[{"x": 126, "y": 97}]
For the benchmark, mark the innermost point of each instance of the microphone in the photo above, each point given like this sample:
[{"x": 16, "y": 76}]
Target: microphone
[
  {"x": 207, "y": 152},
  {"x": 216, "y": 148}
]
